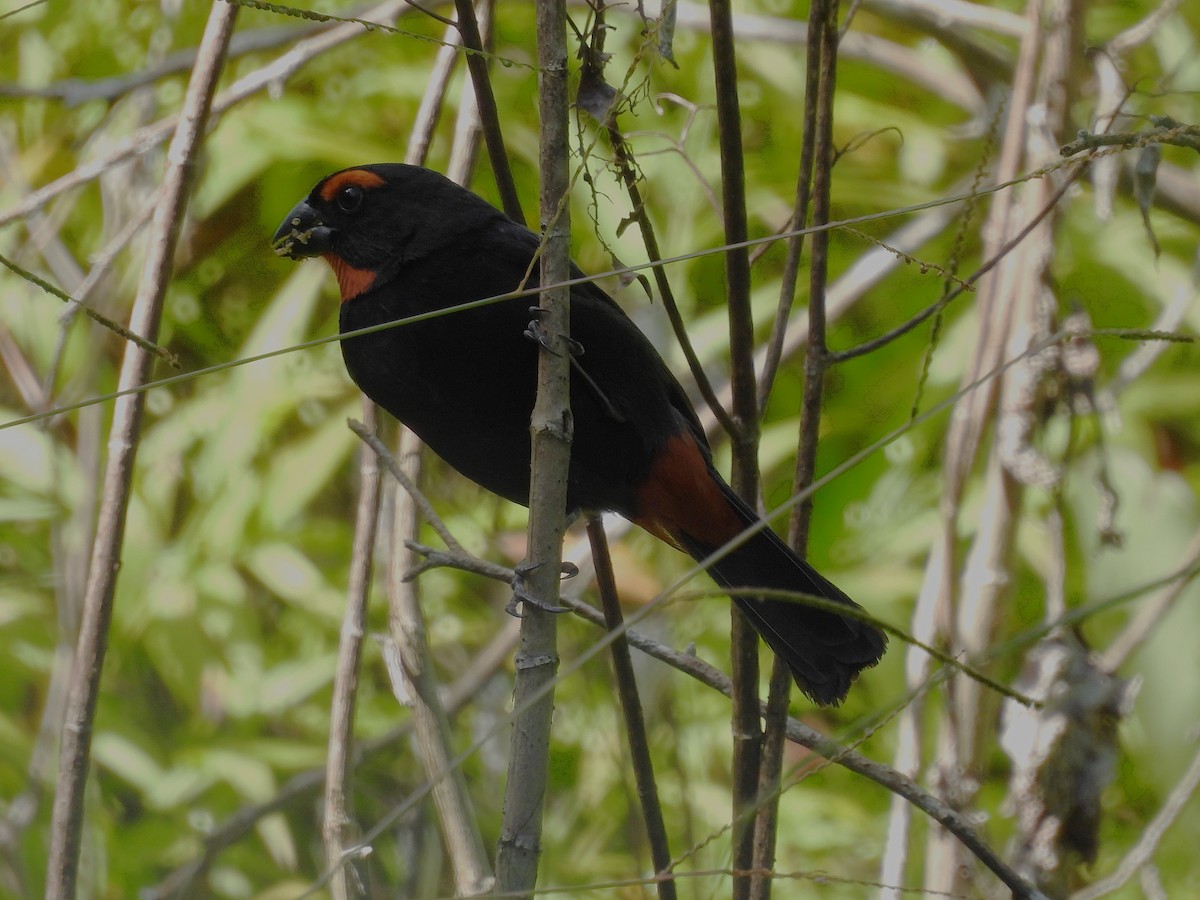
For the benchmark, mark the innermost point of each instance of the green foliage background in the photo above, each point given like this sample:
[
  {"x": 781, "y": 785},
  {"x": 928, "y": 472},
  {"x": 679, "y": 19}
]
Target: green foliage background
[{"x": 216, "y": 689}]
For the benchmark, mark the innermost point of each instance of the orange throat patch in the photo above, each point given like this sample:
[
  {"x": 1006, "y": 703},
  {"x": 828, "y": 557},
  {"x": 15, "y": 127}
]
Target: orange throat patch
[{"x": 351, "y": 281}]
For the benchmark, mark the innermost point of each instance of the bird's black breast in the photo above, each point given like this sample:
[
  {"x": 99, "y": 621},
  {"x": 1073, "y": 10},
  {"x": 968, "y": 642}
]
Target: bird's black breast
[{"x": 466, "y": 381}]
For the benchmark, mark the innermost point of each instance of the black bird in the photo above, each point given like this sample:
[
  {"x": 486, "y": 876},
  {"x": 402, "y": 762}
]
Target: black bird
[{"x": 404, "y": 240}]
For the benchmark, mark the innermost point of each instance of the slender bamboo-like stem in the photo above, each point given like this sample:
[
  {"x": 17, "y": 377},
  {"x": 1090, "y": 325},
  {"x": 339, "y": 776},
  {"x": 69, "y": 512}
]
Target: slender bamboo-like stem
[
  {"x": 550, "y": 429},
  {"x": 456, "y": 816},
  {"x": 464, "y": 843},
  {"x": 816, "y": 360},
  {"x": 624, "y": 161},
  {"x": 747, "y": 732},
  {"x": 489, "y": 116},
  {"x": 67, "y": 820},
  {"x": 819, "y": 92},
  {"x": 338, "y": 828},
  {"x": 795, "y": 243},
  {"x": 631, "y": 706}
]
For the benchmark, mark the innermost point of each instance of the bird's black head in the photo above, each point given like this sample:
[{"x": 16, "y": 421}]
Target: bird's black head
[{"x": 368, "y": 221}]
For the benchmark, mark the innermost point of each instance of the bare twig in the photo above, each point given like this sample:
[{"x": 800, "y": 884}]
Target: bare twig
[
  {"x": 101, "y": 263},
  {"x": 795, "y": 243},
  {"x": 747, "y": 733},
  {"x": 67, "y": 821},
  {"x": 593, "y": 60},
  {"x": 966, "y": 284},
  {"x": 338, "y": 827},
  {"x": 468, "y": 128},
  {"x": 464, "y": 843},
  {"x": 77, "y": 91},
  {"x": 433, "y": 101},
  {"x": 822, "y": 44},
  {"x": 489, "y": 117},
  {"x": 95, "y": 315},
  {"x": 1169, "y": 318},
  {"x": 1174, "y": 133},
  {"x": 423, "y": 505},
  {"x": 631, "y": 706},
  {"x": 625, "y": 168}
]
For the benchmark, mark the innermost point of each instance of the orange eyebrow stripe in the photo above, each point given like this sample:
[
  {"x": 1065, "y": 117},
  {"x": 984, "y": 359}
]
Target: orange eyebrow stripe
[{"x": 360, "y": 177}]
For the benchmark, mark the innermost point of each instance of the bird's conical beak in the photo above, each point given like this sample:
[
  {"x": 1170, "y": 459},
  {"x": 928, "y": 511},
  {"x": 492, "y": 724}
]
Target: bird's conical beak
[{"x": 302, "y": 234}]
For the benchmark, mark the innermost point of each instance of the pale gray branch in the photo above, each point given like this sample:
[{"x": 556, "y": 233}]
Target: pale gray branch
[{"x": 75, "y": 752}]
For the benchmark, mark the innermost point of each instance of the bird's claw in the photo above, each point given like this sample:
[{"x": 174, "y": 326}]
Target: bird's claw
[
  {"x": 521, "y": 594},
  {"x": 536, "y": 332}
]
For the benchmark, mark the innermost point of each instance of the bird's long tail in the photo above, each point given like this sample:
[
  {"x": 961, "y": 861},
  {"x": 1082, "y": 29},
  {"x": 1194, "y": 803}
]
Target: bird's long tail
[{"x": 825, "y": 651}]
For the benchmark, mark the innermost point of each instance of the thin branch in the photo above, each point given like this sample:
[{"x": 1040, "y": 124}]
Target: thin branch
[
  {"x": 77, "y": 91},
  {"x": 631, "y": 706},
  {"x": 489, "y": 116},
  {"x": 747, "y": 733},
  {"x": 134, "y": 338},
  {"x": 1169, "y": 132},
  {"x": 67, "y": 819},
  {"x": 795, "y": 243},
  {"x": 468, "y": 128},
  {"x": 428, "y": 513},
  {"x": 593, "y": 60},
  {"x": 101, "y": 263},
  {"x": 433, "y": 100},
  {"x": 818, "y": 154},
  {"x": 338, "y": 827},
  {"x": 998, "y": 257},
  {"x": 464, "y": 843},
  {"x": 623, "y": 157},
  {"x": 1169, "y": 318}
]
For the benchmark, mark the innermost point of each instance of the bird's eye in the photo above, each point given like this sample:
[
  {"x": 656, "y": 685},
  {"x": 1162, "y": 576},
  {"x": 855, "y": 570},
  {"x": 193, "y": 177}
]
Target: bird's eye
[{"x": 349, "y": 198}]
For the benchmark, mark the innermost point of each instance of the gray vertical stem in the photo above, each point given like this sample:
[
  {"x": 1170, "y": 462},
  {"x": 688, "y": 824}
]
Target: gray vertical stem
[
  {"x": 550, "y": 429},
  {"x": 67, "y": 817},
  {"x": 338, "y": 828},
  {"x": 431, "y": 725}
]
